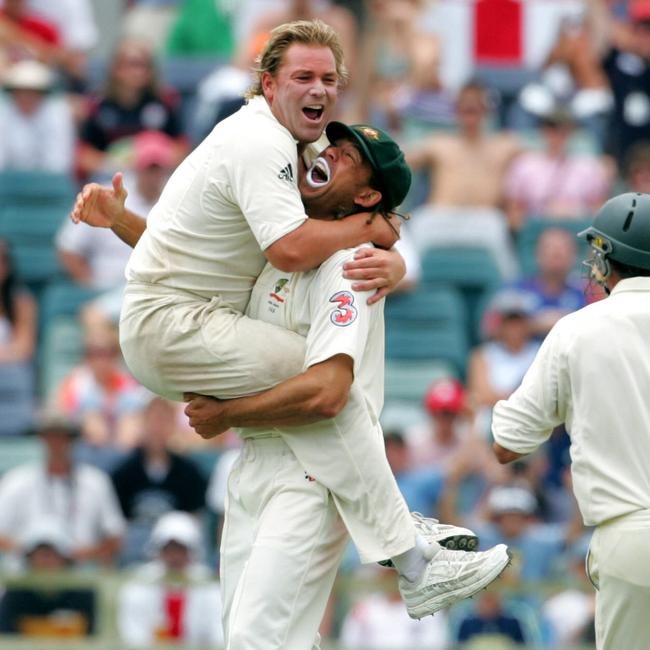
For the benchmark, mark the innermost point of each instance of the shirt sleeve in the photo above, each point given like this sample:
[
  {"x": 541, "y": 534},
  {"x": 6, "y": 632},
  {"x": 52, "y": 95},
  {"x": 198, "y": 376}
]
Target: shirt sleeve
[
  {"x": 340, "y": 317},
  {"x": 527, "y": 418},
  {"x": 264, "y": 177}
]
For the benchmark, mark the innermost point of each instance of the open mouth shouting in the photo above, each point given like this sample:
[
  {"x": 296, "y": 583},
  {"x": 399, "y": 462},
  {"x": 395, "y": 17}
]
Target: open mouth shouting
[
  {"x": 313, "y": 112},
  {"x": 319, "y": 174}
]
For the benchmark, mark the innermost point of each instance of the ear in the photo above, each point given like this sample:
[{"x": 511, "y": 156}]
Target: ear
[
  {"x": 268, "y": 85},
  {"x": 367, "y": 198}
]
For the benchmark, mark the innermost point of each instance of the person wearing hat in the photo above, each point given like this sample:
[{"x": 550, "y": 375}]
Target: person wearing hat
[
  {"x": 173, "y": 597},
  {"x": 37, "y": 131},
  {"x": 292, "y": 525},
  {"x": 79, "y": 497},
  {"x": 593, "y": 374}
]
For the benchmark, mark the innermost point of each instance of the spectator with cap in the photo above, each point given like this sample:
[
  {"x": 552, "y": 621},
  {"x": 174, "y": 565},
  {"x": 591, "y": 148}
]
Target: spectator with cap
[
  {"x": 153, "y": 480},
  {"x": 172, "y": 598},
  {"x": 78, "y": 497},
  {"x": 553, "y": 291},
  {"x": 512, "y": 518},
  {"x": 449, "y": 423},
  {"x": 43, "y": 609},
  {"x": 554, "y": 183},
  {"x": 37, "y": 130},
  {"x": 497, "y": 366}
]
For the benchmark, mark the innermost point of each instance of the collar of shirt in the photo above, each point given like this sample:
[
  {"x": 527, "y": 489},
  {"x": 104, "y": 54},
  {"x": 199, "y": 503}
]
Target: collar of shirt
[{"x": 638, "y": 283}]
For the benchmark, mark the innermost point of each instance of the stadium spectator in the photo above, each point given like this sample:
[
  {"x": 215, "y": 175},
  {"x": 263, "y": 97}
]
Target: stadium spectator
[
  {"x": 172, "y": 598},
  {"x": 378, "y": 622},
  {"x": 103, "y": 398},
  {"x": 75, "y": 22},
  {"x": 150, "y": 20},
  {"x": 497, "y": 366},
  {"x": 132, "y": 101},
  {"x": 570, "y": 612},
  {"x": 153, "y": 480},
  {"x": 44, "y": 609},
  {"x": 18, "y": 318},
  {"x": 553, "y": 183},
  {"x": 78, "y": 497},
  {"x": 421, "y": 487},
  {"x": 553, "y": 292},
  {"x": 512, "y": 517},
  {"x": 27, "y": 35},
  {"x": 337, "y": 15},
  {"x": 489, "y": 618},
  {"x": 398, "y": 67},
  {"x": 637, "y": 168},
  {"x": 626, "y": 60},
  {"x": 449, "y": 423},
  {"x": 202, "y": 28},
  {"x": 94, "y": 257},
  {"x": 468, "y": 168},
  {"x": 37, "y": 130}
]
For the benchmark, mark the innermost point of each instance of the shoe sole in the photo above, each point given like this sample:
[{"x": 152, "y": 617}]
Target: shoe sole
[
  {"x": 460, "y": 542},
  {"x": 443, "y": 601}
]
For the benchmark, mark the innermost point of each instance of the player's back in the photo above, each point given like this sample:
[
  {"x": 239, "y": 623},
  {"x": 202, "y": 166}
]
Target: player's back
[{"x": 607, "y": 365}]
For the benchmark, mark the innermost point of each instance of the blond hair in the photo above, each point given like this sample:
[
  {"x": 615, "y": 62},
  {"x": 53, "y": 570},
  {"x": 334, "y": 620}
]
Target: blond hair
[{"x": 307, "y": 32}]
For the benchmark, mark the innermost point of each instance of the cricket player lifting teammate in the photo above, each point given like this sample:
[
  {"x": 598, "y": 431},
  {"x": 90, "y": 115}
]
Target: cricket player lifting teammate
[
  {"x": 191, "y": 274},
  {"x": 593, "y": 373}
]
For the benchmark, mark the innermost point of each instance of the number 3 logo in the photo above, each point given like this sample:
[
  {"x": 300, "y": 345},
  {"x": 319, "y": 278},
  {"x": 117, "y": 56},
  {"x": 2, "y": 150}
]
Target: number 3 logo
[{"x": 346, "y": 312}]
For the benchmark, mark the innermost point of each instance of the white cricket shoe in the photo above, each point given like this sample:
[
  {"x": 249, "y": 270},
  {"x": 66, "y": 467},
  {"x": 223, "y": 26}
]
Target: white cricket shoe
[
  {"x": 448, "y": 536},
  {"x": 452, "y": 576}
]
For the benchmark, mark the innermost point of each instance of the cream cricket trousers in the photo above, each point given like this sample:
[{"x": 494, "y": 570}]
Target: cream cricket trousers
[
  {"x": 174, "y": 343},
  {"x": 281, "y": 547},
  {"x": 619, "y": 566}
]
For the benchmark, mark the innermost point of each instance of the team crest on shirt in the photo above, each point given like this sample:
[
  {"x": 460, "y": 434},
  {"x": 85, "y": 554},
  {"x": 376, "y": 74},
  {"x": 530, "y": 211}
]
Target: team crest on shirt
[
  {"x": 345, "y": 312},
  {"x": 280, "y": 288}
]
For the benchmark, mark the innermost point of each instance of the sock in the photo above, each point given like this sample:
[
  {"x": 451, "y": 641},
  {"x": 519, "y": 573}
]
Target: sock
[{"x": 412, "y": 563}]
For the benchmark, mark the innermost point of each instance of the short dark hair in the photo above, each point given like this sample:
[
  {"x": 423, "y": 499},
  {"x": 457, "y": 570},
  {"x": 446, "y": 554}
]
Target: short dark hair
[
  {"x": 396, "y": 438},
  {"x": 627, "y": 271}
]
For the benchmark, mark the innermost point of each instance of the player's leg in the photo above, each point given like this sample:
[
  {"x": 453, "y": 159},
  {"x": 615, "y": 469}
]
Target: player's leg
[
  {"x": 175, "y": 344},
  {"x": 620, "y": 566},
  {"x": 283, "y": 587}
]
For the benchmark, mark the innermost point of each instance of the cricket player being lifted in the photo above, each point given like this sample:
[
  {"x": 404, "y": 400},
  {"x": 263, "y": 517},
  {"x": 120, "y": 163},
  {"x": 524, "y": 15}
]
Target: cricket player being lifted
[{"x": 190, "y": 278}]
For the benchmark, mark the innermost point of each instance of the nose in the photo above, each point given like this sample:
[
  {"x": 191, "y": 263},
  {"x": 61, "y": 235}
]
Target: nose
[
  {"x": 317, "y": 88},
  {"x": 332, "y": 153}
]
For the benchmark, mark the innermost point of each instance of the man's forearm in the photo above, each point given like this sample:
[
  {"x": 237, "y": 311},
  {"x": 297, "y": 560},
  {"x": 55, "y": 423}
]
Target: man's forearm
[
  {"x": 129, "y": 227},
  {"x": 315, "y": 240},
  {"x": 316, "y": 394},
  {"x": 303, "y": 399}
]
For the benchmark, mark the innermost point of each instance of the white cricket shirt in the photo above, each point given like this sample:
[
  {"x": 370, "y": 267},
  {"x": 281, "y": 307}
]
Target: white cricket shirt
[
  {"x": 593, "y": 373},
  {"x": 321, "y": 306},
  {"x": 231, "y": 198}
]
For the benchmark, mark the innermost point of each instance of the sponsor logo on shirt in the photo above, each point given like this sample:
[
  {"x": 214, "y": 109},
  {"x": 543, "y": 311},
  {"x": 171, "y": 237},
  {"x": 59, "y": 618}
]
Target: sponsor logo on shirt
[
  {"x": 345, "y": 312},
  {"x": 286, "y": 173},
  {"x": 311, "y": 479}
]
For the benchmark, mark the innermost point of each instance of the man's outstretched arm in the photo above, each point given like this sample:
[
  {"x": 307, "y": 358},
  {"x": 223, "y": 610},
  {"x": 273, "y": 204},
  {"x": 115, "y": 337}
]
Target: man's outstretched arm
[
  {"x": 319, "y": 393},
  {"x": 103, "y": 207}
]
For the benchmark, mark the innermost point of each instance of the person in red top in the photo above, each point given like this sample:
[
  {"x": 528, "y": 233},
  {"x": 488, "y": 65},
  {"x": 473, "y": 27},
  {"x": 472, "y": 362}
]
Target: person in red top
[{"x": 24, "y": 34}]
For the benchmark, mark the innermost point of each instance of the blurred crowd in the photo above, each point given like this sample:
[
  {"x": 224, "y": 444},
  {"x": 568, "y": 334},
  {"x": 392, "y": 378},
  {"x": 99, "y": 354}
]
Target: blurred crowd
[{"x": 518, "y": 117}]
